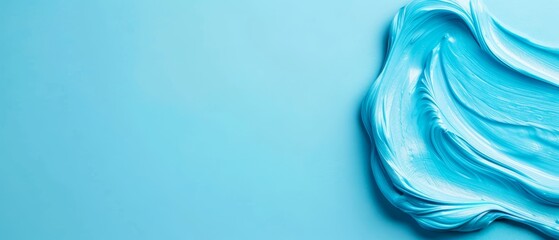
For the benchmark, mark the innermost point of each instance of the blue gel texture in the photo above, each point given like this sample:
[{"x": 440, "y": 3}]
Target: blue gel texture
[{"x": 464, "y": 120}]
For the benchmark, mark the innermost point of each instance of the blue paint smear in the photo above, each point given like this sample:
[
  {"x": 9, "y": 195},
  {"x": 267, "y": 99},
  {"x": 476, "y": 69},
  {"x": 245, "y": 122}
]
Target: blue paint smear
[{"x": 464, "y": 120}]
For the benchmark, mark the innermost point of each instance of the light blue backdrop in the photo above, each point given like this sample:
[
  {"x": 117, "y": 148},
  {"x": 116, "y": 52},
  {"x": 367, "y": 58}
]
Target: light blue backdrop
[{"x": 194, "y": 119}]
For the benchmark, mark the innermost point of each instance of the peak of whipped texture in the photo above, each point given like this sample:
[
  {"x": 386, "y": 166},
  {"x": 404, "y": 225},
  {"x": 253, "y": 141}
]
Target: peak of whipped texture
[{"x": 464, "y": 120}]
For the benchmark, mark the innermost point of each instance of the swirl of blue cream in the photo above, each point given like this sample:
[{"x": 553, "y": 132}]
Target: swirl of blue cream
[{"x": 464, "y": 120}]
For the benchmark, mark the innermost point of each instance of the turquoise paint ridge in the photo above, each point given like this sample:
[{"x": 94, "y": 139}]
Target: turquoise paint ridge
[{"x": 464, "y": 120}]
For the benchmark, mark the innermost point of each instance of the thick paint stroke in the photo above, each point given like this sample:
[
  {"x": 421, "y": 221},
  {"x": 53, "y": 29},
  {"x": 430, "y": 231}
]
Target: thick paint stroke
[{"x": 464, "y": 120}]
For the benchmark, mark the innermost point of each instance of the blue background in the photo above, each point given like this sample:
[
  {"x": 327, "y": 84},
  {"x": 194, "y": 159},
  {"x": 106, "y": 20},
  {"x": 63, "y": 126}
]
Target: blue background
[{"x": 201, "y": 119}]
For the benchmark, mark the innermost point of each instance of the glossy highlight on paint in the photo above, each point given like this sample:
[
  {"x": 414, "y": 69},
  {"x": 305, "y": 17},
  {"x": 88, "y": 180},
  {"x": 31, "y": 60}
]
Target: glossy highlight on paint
[{"x": 464, "y": 120}]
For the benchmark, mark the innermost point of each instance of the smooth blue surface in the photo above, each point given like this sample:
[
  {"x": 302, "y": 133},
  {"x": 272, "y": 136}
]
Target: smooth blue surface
[{"x": 197, "y": 120}]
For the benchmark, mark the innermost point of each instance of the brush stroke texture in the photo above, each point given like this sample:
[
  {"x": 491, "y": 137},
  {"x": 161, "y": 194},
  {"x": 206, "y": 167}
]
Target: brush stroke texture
[{"x": 464, "y": 120}]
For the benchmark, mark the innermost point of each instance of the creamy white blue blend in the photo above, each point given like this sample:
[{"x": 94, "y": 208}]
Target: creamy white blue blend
[{"x": 464, "y": 120}]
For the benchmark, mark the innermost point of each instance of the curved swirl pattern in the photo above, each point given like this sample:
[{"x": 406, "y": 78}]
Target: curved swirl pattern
[{"x": 464, "y": 120}]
